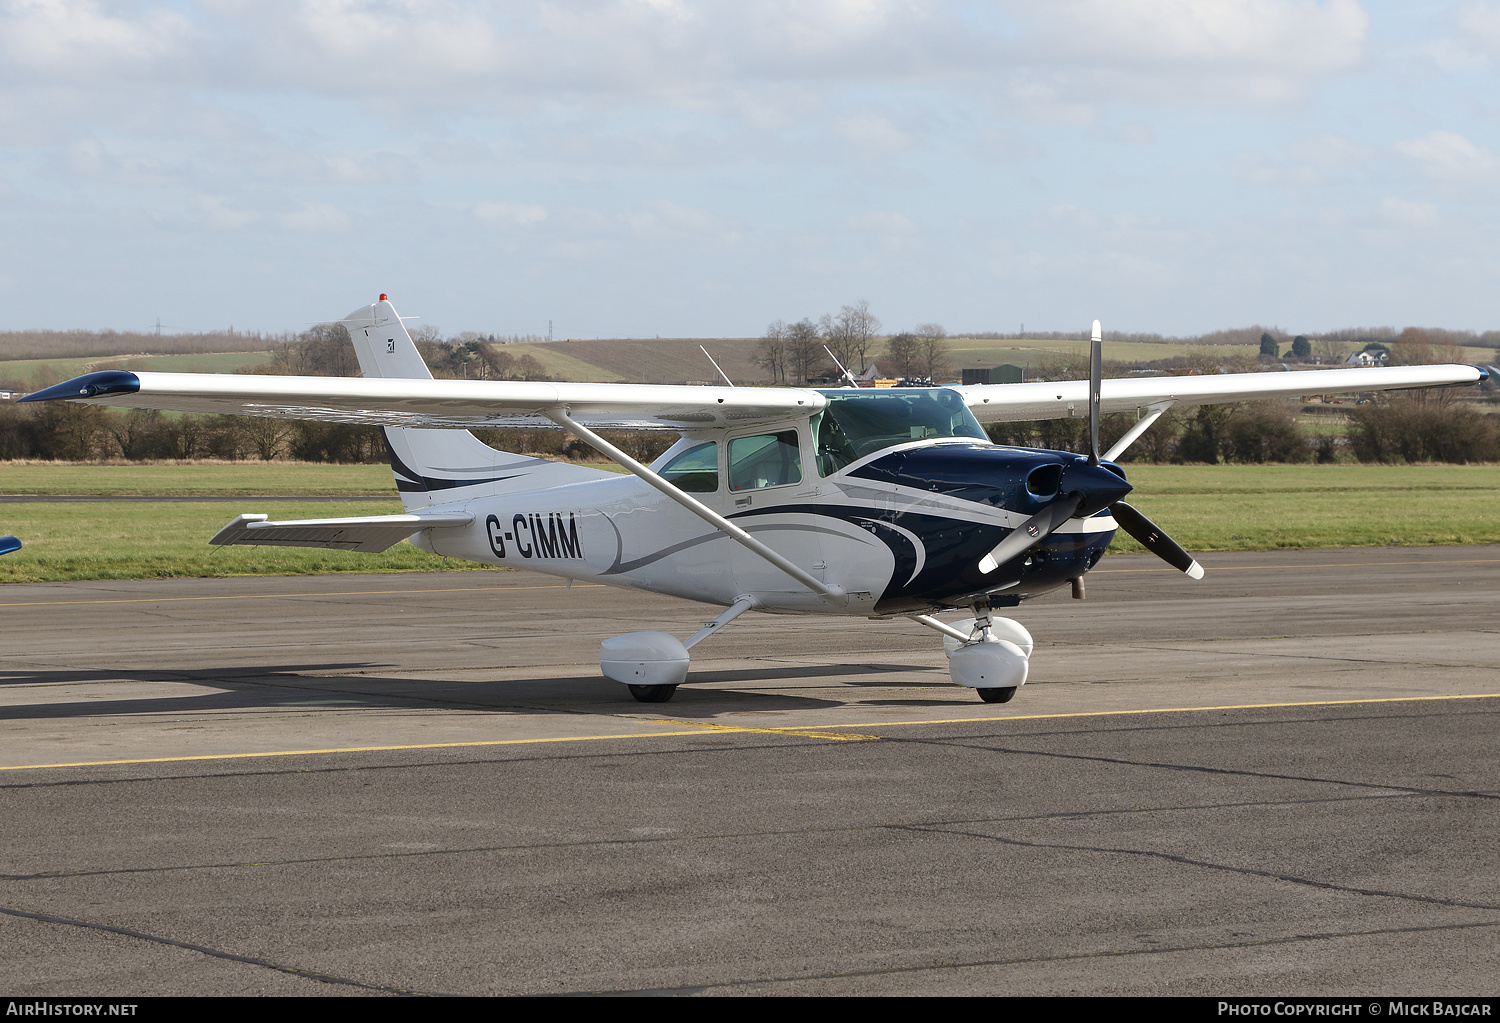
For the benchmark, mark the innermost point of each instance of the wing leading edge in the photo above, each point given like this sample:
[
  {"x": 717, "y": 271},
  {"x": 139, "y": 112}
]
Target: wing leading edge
[
  {"x": 1063, "y": 399},
  {"x": 453, "y": 404}
]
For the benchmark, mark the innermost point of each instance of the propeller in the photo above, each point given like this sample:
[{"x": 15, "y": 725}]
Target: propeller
[
  {"x": 1154, "y": 540},
  {"x": 1033, "y": 531},
  {"x": 1096, "y": 376},
  {"x": 1045, "y": 522}
]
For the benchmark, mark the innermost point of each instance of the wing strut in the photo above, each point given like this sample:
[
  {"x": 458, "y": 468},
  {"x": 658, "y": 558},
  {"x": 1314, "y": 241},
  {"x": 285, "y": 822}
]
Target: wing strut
[
  {"x": 1134, "y": 433},
  {"x": 834, "y": 595}
]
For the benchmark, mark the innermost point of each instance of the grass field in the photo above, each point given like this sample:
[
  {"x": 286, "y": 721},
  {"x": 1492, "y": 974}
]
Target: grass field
[
  {"x": 1251, "y": 508},
  {"x": 146, "y": 539},
  {"x": 25, "y": 371},
  {"x": 189, "y": 479},
  {"x": 1206, "y": 508}
]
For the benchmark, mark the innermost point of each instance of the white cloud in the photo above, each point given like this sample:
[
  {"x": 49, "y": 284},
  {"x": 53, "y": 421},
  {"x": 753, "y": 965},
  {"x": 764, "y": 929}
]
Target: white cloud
[
  {"x": 510, "y": 214},
  {"x": 662, "y": 220},
  {"x": 1477, "y": 29},
  {"x": 220, "y": 216},
  {"x": 872, "y": 133},
  {"x": 76, "y": 40},
  {"x": 316, "y": 217},
  {"x": 1179, "y": 52},
  {"x": 1449, "y": 156},
  {"x": 883, "y": 222},
  {"x": 1408, "y": 213}
]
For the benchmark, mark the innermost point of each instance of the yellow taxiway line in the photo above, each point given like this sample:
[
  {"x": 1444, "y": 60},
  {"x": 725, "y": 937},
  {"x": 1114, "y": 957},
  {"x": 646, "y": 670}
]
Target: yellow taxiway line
[{"x": 700, "y": 728}]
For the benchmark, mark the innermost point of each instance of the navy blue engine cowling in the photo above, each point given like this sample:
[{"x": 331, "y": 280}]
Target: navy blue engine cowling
[{"x": 1021, "y": 480}]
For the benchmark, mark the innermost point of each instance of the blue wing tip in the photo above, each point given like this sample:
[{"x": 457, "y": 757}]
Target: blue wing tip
[
  {"x": 9, "y": 544},
  {"x": 90, "y": 385}
]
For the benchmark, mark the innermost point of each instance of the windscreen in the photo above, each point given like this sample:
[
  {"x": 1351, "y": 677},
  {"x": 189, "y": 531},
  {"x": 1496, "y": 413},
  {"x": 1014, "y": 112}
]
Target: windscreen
[{"x": 857, "y": 422}]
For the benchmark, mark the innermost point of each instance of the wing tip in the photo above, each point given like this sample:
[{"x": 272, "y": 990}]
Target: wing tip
[{"x": 90, "y": 385}]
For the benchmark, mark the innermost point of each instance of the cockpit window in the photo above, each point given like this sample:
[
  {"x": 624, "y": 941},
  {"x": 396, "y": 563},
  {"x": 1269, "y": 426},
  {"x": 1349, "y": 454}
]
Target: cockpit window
[{"x": 857, "y": 422}]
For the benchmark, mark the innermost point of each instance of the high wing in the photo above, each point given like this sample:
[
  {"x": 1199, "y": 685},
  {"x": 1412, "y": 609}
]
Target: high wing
[
  {"x": 371, "y": 533},
  {"x": 1062, "y": 399},
  {"x": 439, "y": 403}
]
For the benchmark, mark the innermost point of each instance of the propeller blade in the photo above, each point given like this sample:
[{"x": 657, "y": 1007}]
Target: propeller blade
[
  {"x": 1033, "y": 531},
  {"x": 1154, "y": 540},
  {"x": 1096, "y": 376}
]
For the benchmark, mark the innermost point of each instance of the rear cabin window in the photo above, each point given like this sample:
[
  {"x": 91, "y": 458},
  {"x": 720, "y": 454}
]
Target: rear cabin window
[
  {"x": 765, "y": 460},
  {"x": 696, "y": 470},
  {"x": 858, "y": 422}
]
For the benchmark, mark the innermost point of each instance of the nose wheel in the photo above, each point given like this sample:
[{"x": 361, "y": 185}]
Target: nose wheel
[{"x": 993, "y": 694}]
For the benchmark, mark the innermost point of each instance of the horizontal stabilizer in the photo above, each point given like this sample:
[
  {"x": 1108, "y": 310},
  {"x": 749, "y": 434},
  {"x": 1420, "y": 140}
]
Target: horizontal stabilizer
[{"x": 373, "y": 533}]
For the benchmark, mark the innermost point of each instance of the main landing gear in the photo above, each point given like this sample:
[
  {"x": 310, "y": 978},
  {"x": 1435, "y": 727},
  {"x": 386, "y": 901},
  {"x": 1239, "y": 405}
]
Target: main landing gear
[{"x": 653, "y": 664}]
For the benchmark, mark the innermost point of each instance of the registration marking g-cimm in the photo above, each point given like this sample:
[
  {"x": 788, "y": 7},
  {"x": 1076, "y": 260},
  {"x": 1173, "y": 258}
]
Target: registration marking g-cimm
[{"x": 534, "y": 535}]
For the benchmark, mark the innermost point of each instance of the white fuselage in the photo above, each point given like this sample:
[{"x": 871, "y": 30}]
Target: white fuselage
[{"x": 620, "y": 531}]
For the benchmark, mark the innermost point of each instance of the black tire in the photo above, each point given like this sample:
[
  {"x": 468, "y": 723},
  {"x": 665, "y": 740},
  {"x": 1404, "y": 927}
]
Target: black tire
[
  {"x": 655, "y": 694},
  {"x": 994, "y": 694}
]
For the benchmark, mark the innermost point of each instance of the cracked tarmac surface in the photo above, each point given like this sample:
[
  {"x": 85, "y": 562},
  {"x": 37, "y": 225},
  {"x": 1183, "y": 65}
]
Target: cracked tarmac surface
[{"x": 1280, "y": 780}]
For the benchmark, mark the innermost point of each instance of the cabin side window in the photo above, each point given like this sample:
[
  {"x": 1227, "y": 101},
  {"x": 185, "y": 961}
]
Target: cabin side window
[
  {"x": 696, "y": 470},
  {"x": 765, "y": 460}
]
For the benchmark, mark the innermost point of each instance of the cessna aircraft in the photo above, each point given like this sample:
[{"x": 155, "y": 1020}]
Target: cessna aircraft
[{"x": 856, "y": 502}]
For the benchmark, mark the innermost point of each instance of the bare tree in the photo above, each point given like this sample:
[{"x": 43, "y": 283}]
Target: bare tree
[
  {"x": 804, "y": 348},
  {"x": 772, "y": 354},
  {"x": 933, "y": 360},
  {"x": 858, "y": 326},
  {"x": 266, "y": 436},
  {"x": 1331, "y": 350},
  {"x": 905, "y": 352}
]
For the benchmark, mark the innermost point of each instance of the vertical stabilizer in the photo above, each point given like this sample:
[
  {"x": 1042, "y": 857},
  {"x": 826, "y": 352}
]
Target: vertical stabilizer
[{"x": 442, "y": 466}]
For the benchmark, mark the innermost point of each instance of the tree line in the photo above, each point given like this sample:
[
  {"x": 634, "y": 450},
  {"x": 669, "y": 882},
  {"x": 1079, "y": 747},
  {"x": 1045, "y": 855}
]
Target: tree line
[{"x": 797, "y": 353}]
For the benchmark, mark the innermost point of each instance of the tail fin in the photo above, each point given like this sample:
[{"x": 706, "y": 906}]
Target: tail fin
[{"x": 442, "y": 466}]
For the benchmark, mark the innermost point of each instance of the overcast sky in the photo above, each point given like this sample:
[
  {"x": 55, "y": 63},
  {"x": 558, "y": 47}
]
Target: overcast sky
[{"x": 674, "y": 167}]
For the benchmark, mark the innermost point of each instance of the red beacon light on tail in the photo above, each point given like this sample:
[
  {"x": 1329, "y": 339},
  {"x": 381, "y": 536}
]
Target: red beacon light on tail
[{"x": 382, "y": 296}]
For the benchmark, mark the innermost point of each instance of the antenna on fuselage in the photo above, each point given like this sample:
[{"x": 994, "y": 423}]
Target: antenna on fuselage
[
  {"x": 716, "y": 366},
  {"x": 1096, "y": 374},
  {"x": 847, "y": 375}
]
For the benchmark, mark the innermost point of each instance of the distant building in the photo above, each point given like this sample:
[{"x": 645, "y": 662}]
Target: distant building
[
  {"x": 1373, "y": 357},
  {"x": 1006, "y": 374}
]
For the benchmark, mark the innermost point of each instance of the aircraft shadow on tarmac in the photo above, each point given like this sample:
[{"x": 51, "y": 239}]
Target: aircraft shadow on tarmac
[{"x": 334, "y": 687}]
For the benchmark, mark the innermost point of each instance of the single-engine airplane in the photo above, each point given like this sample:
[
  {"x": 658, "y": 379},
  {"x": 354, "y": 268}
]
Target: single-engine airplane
[{"x": 856, "y": 502}]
